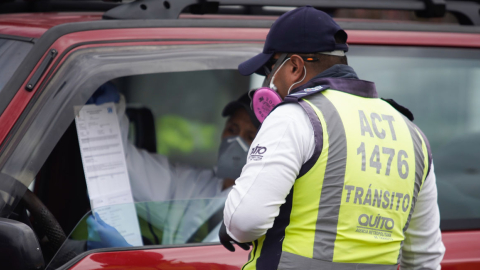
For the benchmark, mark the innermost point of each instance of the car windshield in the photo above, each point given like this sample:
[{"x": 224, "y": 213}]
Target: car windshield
[
  {"x": 12, "y": 53},
  {"x": 176, "y": 222}
]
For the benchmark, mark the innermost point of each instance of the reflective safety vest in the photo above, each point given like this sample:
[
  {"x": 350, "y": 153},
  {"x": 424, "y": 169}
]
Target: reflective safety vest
[{"x": 352, "y": 201}]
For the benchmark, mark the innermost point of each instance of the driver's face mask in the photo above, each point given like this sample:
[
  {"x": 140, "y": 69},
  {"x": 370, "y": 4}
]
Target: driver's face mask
[
  {"x": 266, "y": 98},
  {"x": 232, "y": 156}
]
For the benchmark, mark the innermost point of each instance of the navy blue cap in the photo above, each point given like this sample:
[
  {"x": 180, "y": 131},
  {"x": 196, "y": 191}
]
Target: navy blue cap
[{"x": 302, "y": 30}]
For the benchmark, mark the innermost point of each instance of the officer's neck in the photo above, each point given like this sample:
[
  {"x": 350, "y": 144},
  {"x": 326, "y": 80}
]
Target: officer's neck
[{"x": 337, "y": 71}]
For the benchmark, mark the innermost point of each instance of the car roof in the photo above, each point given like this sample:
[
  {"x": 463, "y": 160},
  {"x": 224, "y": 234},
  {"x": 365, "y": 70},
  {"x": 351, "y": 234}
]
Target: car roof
[{"x": 34, "y": 25}]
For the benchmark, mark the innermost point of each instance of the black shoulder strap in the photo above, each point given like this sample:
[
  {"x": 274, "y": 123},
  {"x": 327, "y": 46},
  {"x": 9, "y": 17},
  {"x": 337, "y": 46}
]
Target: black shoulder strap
[{"x": 400, "y": 108}]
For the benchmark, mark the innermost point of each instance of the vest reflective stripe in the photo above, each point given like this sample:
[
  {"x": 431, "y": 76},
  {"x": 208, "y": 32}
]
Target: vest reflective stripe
[
  {"x": 305, "y": 198},
  {"x": 421, "y": 169},
  {"x": 331, "y": 195},
  {"x": 421, "y": 165},
  {"x": 291, "y": 261},
  {"x": 352, "y": 207}
]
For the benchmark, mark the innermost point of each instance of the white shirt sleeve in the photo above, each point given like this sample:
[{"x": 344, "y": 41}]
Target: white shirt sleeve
[
  {"x": 283, "y": 144},
  {"x": 423, "y": 247}
]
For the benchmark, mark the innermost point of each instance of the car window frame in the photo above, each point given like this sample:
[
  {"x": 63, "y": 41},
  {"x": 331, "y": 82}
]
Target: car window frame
[
  {"x": 22, "y": 161},
  {"x": 23, "y": 44}
]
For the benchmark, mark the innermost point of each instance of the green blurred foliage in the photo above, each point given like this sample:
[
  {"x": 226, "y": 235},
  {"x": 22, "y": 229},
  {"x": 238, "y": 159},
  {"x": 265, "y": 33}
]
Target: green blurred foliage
[{"x": 175, "y": 133}]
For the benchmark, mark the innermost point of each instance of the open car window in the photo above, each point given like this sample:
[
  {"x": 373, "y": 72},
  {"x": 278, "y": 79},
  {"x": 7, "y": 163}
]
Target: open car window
[
  {"x": 172, "y": 97},
  {"x": 201, "y": 97}
]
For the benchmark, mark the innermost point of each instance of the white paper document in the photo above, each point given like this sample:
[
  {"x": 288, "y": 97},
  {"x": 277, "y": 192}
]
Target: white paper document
[{"x": 105, "y": 169}]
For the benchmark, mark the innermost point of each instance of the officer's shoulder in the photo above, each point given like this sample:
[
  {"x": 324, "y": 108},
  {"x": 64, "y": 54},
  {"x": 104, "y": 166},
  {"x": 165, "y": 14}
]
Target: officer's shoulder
[
  {"x": 287, "y": 110},
  {"x": 289, "y": 105},
  {"x": 401, "y": 109},
  {"x": 295, "y": 97}
]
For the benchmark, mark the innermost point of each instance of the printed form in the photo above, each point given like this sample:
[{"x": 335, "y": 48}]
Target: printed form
[{"x": 105, "y": 169}]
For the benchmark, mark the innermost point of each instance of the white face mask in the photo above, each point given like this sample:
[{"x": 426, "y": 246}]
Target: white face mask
[{"x": 232, "y": 156}]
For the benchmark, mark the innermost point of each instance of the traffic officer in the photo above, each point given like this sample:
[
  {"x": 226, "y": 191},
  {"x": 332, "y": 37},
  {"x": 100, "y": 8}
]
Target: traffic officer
[{"x": 334, "y": 175}]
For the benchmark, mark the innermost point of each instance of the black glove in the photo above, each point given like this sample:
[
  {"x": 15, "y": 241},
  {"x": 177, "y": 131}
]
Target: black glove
[{"x": 226, "y": 240}]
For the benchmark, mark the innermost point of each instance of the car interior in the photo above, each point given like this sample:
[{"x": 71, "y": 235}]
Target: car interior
[{"x": 159, "y": 106}]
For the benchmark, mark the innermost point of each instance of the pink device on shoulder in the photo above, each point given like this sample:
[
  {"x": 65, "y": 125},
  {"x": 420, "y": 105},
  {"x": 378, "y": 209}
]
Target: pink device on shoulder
[{"x": 263, "y": 101}]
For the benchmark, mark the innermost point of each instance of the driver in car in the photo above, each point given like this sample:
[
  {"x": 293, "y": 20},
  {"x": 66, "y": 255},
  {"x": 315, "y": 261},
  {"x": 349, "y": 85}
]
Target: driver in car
[{"x": 154, "y": 178}]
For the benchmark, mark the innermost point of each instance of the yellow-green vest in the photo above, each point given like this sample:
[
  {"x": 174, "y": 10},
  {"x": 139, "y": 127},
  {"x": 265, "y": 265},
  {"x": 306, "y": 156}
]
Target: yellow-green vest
[{"x": 352, "y": 201}]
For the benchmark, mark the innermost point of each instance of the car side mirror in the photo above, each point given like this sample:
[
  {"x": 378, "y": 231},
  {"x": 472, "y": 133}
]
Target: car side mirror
[{"x": 19, "y": 247}]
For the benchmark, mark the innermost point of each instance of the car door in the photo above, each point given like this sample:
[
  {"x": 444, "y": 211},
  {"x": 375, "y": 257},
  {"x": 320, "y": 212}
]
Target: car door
[{"x": 197, "y": 70}]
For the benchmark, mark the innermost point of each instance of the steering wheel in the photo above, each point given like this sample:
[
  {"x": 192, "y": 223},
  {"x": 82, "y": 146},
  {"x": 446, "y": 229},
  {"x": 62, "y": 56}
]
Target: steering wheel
[{"x": 45, "y": 224}]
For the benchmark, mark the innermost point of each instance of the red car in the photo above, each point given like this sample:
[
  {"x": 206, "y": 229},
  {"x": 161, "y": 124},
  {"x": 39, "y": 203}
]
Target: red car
[{"x": 176, "y": 75}]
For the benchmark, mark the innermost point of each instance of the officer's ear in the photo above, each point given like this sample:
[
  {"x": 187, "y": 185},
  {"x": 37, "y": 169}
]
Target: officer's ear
[{"x": 297, "y": 65}]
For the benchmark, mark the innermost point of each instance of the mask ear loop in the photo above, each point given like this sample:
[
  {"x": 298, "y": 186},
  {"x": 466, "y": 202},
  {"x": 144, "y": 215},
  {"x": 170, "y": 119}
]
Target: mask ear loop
[
  {"x": 272, "y": 86},
  {"x": 279, "y": 61},
  {"x": 251, "y": 97},
  {"x": 305, "y": 69}
]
